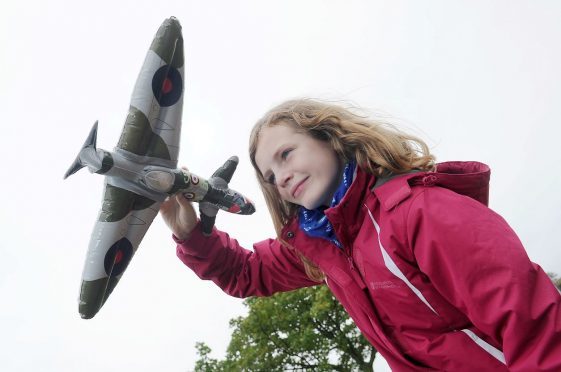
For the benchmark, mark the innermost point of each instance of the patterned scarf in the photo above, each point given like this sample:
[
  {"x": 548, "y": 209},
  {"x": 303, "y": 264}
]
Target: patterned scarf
[{"x": 314, "y": 222}]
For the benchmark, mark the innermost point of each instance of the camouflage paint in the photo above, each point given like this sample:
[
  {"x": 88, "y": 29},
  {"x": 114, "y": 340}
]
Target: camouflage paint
[
  {"x": 139, "y": 138},
  {"x": 168, "y": 43},
  {"x": 93, "y": 295},
  {"x": 118, "y": 202}
]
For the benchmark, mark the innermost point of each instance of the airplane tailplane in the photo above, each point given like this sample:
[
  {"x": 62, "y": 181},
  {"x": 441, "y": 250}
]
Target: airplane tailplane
[{"x": 90, "y": 142}]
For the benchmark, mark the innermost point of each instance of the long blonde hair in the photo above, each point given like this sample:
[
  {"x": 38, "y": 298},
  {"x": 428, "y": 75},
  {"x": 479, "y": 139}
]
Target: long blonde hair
[{"x": 378, "y": 148}]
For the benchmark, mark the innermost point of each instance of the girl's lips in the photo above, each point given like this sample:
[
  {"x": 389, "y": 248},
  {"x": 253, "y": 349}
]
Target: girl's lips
[{"x": 298, "y": 188}]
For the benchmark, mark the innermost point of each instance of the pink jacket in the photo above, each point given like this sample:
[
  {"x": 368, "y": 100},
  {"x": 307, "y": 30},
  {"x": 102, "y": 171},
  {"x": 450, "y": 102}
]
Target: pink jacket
[{"x": 433, "y": 278}]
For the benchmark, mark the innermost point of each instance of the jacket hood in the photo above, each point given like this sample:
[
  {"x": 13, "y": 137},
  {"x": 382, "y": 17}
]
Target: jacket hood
[{"x": 468, "y": 178}]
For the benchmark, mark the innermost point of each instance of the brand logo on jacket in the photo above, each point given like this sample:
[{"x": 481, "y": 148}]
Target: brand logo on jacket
[{"x": 388, "y": 284}]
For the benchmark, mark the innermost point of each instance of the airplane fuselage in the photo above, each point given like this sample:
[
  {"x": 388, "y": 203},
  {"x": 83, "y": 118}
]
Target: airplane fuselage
[{"x": 129, "y": 171}]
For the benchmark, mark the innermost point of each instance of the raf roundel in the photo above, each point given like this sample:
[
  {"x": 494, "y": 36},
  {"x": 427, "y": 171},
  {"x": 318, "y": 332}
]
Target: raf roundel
[
  {"x": 118, "y": 257},
  {"x": 167, "y": 85}
]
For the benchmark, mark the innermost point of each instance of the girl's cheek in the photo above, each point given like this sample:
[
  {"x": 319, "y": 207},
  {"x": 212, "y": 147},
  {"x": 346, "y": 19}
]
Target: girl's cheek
[{"x": 284, "y": 196}]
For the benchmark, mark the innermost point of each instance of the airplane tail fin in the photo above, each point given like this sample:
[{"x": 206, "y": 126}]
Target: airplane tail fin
[{"x": 90, "y": 142}]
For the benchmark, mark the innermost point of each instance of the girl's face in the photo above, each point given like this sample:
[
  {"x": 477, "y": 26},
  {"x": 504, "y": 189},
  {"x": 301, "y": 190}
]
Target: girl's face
[{"x": 304, "y": 170}]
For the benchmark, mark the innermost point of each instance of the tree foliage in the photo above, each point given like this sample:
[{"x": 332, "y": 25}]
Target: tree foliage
[
  {"x": 306, "y": 329},
  {"x": 556, "y": 280}
]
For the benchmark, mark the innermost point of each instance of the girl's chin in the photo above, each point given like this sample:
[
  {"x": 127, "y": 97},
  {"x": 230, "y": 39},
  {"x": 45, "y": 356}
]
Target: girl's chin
[{"x": 313, "y": 204}]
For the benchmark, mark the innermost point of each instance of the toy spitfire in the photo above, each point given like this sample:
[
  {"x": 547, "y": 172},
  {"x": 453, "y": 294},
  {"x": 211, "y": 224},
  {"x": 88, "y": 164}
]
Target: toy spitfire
[{"x": 142, "y": 171}]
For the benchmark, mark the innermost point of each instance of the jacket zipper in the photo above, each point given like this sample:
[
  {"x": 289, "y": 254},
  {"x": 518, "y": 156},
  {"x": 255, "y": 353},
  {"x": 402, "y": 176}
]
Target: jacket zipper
[{"x": 354, "y": 272}]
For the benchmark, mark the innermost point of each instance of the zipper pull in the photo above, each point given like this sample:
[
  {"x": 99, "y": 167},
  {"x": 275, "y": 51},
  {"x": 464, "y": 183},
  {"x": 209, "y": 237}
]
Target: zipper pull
[{"x": 350, "y": 259}]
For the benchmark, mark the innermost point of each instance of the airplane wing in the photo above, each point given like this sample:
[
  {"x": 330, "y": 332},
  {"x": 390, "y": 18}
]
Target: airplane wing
[
  {"x": 150, "y": 136},
  {"x": 122, "y": 223},
  {"x": 153, "y": 126}
]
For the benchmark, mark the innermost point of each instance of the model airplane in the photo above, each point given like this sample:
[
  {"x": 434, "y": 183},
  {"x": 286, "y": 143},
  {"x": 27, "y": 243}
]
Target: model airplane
[{"x": 142, "y": 171}]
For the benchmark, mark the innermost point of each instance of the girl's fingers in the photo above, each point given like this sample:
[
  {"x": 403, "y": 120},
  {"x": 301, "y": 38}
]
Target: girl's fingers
[
  {"x": 164, "y": 207},
  {"x": 183, "y": 202}
]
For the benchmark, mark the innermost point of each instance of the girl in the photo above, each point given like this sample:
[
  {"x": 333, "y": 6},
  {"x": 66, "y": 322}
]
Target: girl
[{"x": 433, "y": 278}]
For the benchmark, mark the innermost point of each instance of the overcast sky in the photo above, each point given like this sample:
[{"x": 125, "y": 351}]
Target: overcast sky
[{"x": 478, "y": 80}]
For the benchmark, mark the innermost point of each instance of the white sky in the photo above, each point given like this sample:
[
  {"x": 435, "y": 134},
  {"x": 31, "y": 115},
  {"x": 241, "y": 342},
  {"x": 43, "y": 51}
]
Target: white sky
[{"x": 479, "y": 80}]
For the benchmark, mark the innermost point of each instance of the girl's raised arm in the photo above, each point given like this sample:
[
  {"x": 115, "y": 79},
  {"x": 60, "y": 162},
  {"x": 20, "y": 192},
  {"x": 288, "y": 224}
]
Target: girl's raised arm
[{"x": 270, "y": 267}]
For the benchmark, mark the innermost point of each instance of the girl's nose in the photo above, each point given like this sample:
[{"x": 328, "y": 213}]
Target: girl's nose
[{"x": 284, "y": 179}]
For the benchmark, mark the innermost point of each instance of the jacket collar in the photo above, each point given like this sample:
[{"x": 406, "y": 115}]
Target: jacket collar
[
  {"x": 466, "y": 178},
  {"x": 390, "y": 194},
  {"x": 353, "y": 199}
]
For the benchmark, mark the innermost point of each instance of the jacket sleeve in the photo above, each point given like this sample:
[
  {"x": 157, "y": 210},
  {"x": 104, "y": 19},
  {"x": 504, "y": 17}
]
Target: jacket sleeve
[
  {"x": 475, "y": 260},
  {"x": 270, "y": 267}
]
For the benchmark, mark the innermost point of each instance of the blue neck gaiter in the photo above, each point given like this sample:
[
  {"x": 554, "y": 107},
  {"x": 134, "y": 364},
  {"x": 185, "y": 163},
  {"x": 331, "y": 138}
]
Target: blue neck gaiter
[{"x": 314, "y": 222}]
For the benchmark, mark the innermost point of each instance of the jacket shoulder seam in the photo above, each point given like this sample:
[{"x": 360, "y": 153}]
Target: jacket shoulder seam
[{"x": 407, "y": 214}]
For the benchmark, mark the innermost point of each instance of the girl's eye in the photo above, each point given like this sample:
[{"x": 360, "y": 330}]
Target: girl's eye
[
  {"x": 285, "y": 153},
  {"x": 271, "y": 179}
]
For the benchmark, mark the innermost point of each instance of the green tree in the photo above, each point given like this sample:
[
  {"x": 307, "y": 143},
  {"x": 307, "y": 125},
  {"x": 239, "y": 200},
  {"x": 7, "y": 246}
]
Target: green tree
[
  {"x": 556, "y": 280},
  {"x": 306, "y": 329}
]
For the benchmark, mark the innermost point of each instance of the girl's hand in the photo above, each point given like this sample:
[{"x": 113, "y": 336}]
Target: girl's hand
[{"x": 179, "y": 215}]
